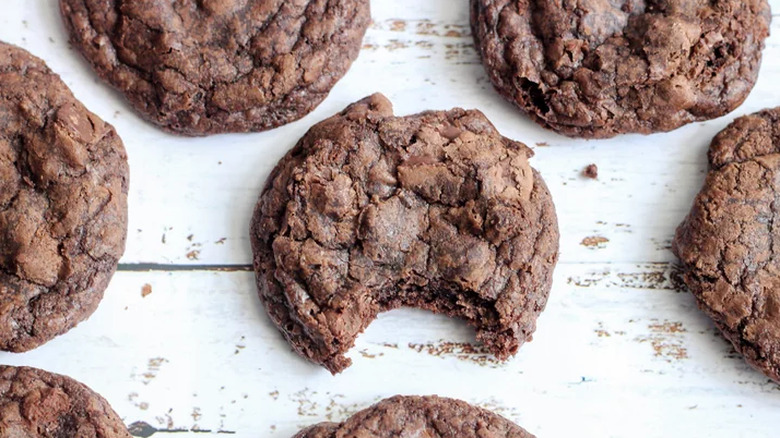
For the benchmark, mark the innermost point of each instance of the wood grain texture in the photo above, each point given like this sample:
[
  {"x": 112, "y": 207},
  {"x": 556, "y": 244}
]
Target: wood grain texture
[
  {"x": 181, "y": 342},
  {"x": 617, "y": 341}
]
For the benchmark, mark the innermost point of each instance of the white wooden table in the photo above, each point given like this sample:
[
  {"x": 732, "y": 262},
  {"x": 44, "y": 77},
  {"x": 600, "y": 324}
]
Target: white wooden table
[{"x": 620, "y": 351}]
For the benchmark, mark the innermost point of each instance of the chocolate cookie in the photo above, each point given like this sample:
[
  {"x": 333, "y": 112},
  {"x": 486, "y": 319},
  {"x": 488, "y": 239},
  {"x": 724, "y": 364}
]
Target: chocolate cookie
[
  {"x": 728, "y": 244},
  {"x": 63, "y": 204},
  {"x": 199, "y": 67},
  {"x": 370, "y": 212},
  {"x": 595, "y": 68},
  {"x": 35, "y": 403},
  {"x": 431, "y": 417}
]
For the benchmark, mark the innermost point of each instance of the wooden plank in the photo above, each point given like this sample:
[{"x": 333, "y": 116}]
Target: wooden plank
[
  {"x": 191, "y": 198},
  {"x": 619, "y": 352}
]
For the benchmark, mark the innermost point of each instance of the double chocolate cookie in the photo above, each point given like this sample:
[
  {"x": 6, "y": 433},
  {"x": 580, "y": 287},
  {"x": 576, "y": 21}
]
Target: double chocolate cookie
[
  {"x": 35, "y": 403},
  {"x": 595, "y": 68},
  {"x": 199, "y": 67},
  {"x": 370, "y": 212},
  {"x": 63, "y": 204},
  {"x": 729, "y": 244},
  {"x": 431, "y": 417}
]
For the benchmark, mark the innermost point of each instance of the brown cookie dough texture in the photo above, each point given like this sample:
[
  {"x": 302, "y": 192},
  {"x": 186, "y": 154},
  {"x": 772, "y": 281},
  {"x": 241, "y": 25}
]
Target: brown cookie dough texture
[
  {"x": 598, "y": 68},
  {"x": 431, "y": 417},
  {"x": 198, "y": 67},
  {"x": 35, "y": 403},
  {"x": 371, "y": 212},
  {"x": 730, "y": 242},
  {"x": 63, "y": 204}
]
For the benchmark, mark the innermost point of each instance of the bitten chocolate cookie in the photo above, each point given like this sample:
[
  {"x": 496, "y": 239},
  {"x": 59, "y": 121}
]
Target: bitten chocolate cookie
[
  {"x": 198, "y": 67},
  {"x": 63, "y": 204},
  {"x": 36, "y": 403},
  {"x": 431, "y": 417},
  {"x": 595, "y": 69},
  {"x": 370, "y": 212},
  {"x": 728, "y": 244}
]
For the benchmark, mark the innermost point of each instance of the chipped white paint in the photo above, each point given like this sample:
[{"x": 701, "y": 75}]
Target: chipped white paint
[{"x": 619, "y": 352}]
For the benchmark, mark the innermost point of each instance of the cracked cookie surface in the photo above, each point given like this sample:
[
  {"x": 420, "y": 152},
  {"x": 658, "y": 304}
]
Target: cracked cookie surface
[
  {"x": 198, "y": 67},
  {"x": 598, "y": 68},
  {"x": 410, "y": 416},
  {"x": 63, "y": 204},
  {"x": 35, "y": 403},
  {"x": 729, "y": 244},
  {"x": 371, "y": 212}
]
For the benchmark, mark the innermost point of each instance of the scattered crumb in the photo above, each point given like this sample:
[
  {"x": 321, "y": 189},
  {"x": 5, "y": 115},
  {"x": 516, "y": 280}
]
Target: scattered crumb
[
  {"x": 221, "y": 241},
  {"x": 189, "y": 238},
  {"x": 594, "y": 241},
  {"x": 542, "y": 144},
  {"x": 193, "y": 255},
  {"x": 591, "y": 171},
  {"x": 146, "y": 290}
]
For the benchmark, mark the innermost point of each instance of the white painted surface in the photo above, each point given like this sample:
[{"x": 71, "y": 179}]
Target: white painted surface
[{"x": 619, "y": 352}]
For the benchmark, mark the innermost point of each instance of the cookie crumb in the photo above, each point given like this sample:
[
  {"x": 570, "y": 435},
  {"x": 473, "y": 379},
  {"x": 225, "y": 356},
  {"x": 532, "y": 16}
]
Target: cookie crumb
[
  {"x": 591, "y": 171},
  {"x": 146, "y": 290}
]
